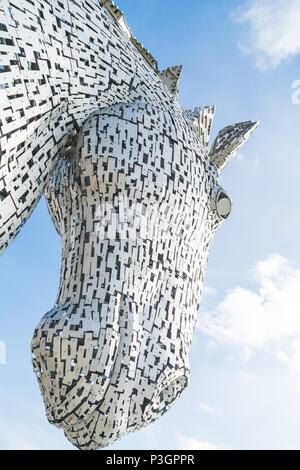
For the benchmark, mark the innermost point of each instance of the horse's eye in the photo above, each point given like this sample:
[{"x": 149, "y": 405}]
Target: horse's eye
[{"x": 223, "y": 205}]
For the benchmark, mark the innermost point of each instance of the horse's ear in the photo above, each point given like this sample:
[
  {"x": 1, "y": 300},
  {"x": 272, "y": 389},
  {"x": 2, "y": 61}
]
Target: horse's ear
[
  {"x": 228, "y": 142},
  {"x": 202, "y": 119},
  {"x": 171, "y": 78}
]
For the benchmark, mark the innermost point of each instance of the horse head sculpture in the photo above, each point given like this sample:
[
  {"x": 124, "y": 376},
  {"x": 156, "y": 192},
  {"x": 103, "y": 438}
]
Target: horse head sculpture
[{"x": 133, "y": 189}]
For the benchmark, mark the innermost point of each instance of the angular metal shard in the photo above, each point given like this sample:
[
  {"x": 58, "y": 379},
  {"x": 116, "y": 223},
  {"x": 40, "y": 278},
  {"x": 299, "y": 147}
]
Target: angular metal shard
[
  {"x": 202, "y": 119},
  {"x": 171, "y": 78},
  {"x": 228, "y": 141},
  {"x": 118, "y": 15}
]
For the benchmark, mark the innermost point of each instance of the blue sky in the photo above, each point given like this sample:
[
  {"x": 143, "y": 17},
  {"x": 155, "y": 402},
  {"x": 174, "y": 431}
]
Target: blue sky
[{"x": 242, "y": 56}]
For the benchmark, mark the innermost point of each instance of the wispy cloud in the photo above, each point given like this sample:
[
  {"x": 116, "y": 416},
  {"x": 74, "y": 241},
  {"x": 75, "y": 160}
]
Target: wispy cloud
[
  {"x": 272, "y": 34},
  {"x": 268, "y": 317},
  {"x": 240, "y": 157},
  {"x": 190, "y": 443},
  {"x": 205, "y": 408}
]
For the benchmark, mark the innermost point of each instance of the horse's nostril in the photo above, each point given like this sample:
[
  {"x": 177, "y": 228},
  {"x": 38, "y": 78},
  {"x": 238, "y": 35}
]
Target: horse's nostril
[{"x": 223, "y": 205}]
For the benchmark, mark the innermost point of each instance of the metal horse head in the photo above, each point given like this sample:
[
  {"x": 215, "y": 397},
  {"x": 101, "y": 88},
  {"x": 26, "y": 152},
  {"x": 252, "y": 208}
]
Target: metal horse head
[{"x": 133, "y": 190}]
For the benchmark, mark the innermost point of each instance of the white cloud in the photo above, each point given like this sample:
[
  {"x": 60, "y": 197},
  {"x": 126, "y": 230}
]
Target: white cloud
[
  {"x": 189, "y": 443},
  {"x": 268, "y": 318},
  {"x": 206, "y": 408},
  {"x": 273, "y": 30}
]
